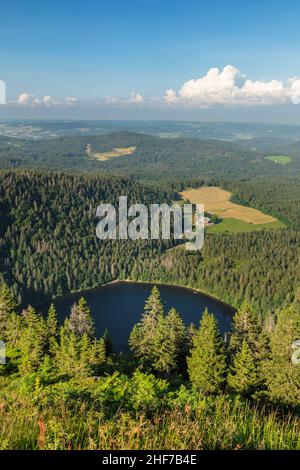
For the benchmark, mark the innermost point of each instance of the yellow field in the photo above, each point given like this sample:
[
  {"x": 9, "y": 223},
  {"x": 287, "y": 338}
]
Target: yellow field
[
  {"x": 216, "y": 201},
  {"x": 116, "y": 152}
]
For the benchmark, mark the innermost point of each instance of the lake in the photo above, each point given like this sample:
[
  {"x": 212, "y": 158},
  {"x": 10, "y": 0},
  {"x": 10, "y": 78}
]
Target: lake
[{"x": 119, "y": 305}]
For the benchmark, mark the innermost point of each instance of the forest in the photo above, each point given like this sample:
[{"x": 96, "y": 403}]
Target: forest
[
  {"x": 154, "y": 158},
  {"x": 178, "y": 387}
]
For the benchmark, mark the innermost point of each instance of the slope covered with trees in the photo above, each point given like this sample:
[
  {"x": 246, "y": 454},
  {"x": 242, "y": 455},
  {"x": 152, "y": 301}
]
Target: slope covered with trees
[{"x": 63, "y": 388}]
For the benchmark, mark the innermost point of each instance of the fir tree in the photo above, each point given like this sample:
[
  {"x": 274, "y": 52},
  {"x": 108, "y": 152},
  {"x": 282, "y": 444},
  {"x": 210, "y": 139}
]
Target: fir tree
[
  {"x": 73, "y": 353},
  {"x": 52, "y": 322},
  {"x": 207, "y": 363},
  {"x": 98, "y": 356},
  {"x": 170, "y": 343},
  {"x": 281, "y": 373},
  {"x": 142, "y": 338},
  {"x": 242, "y": 377},
  {"x": 52, "y": 329},
  {"x": 246, "y": 327},
  {"x": 80, "y": 320},
  {"x": 33, "y": 341},
  {"x": 109, "y": 349}
]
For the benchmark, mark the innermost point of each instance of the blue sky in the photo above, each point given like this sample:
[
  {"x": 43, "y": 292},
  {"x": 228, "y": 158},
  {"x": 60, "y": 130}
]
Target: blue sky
[{"x": 99, "y": 53}]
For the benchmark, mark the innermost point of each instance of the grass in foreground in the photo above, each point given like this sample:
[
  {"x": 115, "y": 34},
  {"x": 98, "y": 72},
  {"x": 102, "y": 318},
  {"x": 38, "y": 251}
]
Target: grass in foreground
[{"x": 77, "y": 416}]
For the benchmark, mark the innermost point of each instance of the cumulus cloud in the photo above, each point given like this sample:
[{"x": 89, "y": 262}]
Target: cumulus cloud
[
  {"x": 24, "y": 98},
  {"x": 229, "y": 87},
  {"x": 71, "y": 101},
  {"x": 28, "y": 99},
  {"x": 136, "y": 98}
]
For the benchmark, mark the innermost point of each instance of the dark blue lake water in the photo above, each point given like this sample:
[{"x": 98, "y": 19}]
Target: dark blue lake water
[{"x": 119, "y": 306}]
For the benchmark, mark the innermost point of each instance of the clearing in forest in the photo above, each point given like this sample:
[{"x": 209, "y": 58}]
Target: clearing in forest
[
  {"x": 217, "y": 201},
  {"x": 104, "y": 156},
  {"x": 280, "y": 159}
]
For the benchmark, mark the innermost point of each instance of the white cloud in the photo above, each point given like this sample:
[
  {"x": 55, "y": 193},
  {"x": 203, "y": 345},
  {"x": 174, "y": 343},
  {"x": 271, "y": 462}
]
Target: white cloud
[
  {"x": 136, "y": 98},
  {"x": 24, "y": 99},
  {"x": 229, "y": 87},
  {"x": 295, "y": 90},
  {"x": 71, "y": 101},
  {"x": 28, "y": 99}
]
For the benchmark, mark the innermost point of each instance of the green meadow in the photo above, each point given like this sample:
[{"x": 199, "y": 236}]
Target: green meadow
[
  {"x": 280, "y": 159},
  {"x": 232, "y": 225}
]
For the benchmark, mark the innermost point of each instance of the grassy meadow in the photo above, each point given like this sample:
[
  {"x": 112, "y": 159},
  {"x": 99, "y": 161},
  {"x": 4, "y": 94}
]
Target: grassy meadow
[{"x": 280, "y": 159}]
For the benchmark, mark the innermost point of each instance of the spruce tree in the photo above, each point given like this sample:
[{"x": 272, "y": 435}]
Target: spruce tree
[
  {"x": 109, "y": 349},
  {"x": 52, "y": 322},
  {"x": 246, "y": 327},
  {"x": 170, "y": 344},
  {"x": 52, "y": 328},
  {"x": 73, "y": 354},
  {"x": 98, "y": 356},
  {"x": 142, "y": 338},
  {"x": 281, "y": 373},
  {"x": 33, "y": 341},
  {"x": 242, "y": 377},
  {"x": 80, "y": 320},
  {"x": 207, "y": 363}
]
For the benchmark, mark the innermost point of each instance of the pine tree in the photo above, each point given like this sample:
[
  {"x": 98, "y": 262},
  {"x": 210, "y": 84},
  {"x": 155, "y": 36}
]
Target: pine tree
[
  {"x": 242, "y": 377},
  {"x": 246, "y": 327},
  {"x": 142, "y": 338},
  {"x": 33, "y": 341},
  {"x": 52, "y": 322},
  {"x": 281, "y": 373},
  {"x": 52, "y": 329},
  {"x": 98, "y": 356},
  {"x": 73, "y": 353},
  {"x": 207, "y": 363},
  {"x": 109, "y": 349},
  {"x": 80, "y": 320},
  {"x": 170, "y": 344}
]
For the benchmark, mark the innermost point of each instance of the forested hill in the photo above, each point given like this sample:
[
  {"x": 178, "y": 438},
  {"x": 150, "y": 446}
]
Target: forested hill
[
  {"x": 154, "y": 158},
  {"x": 48, "y": 244}
]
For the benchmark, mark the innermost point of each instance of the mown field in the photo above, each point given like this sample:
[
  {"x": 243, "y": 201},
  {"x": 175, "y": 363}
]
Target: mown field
[
  {"x": 235, "y": 217},
  {"x": 116, "y": 152}
]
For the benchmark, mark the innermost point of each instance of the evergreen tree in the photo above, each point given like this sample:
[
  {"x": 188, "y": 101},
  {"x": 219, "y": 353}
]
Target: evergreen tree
[
  {"x": 73, "y": 353},
  {"x": 281, "y": 373},
  {"x": 80, "y": 320},
  {"x": 52, "y": 322},
  {"x": 246, "y": 327},
  {"x": 170, "y": 343},
  {"x": 153, "y": 305},
  {"x": 207, "y": 363},
  {"x": 242, "y": 377},
  {"x": 98, "y": 356},
  {"x": 52, "y": 328},
  {"x": 33, "y": 341},
  {"x": 142, "y": 338},
  {"x": 109, "y": 349}
]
